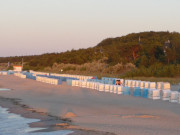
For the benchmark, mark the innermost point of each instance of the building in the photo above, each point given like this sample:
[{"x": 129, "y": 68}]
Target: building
[{"x": 17, "y": 68}]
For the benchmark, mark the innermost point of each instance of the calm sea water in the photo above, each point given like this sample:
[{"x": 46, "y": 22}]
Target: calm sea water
[{"x": 13, "y": 124}]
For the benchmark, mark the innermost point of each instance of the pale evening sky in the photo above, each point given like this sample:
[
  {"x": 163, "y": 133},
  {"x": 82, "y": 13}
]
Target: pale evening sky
[{"x": 29, "y": 27}]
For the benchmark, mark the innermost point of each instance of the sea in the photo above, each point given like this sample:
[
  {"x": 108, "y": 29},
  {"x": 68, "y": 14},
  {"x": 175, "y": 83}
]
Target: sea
[{"x": 13, "y": 124}]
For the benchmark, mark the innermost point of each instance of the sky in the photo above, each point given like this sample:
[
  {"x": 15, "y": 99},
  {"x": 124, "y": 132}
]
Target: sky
[{"x": 30, "y": 27}]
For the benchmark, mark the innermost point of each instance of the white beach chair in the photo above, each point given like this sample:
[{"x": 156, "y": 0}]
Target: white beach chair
[
  {"x": 101, "y": 87},
  {"x": 111, "y": 88},
  {"x": 115, "y": 89},
  {"x": 166, "y": 86},
  {"x": 80, "y": 83},
  {"x": 152, "y": 85},
  {"x": 174, "y": 98},
  {"x": 92, "y": 85},
  {"x": 88, "y": 85},
  {"x": 154, "y": 94},
  {"x": 106, "y": 87},
  {"x": 160, "y": 85},
  {"x": 138, "y": 83},
  {"x": 119, "y": 89},
  {"x": 146, "y": 85},
  {"x": 96, "y": 85},
  {"x": 77, "y": 83},
  {"x": 73, "y": 82},
  {"x": 129, "y": 83},
  {"x": 55, "y": 81},
  {"x": 142, "y": 84},
  {"x": 83, "y": 84},
  {"x": 133, "y": 83},
  {"x": 166, "y": 95},
  {"x": 126, "y": 83}
]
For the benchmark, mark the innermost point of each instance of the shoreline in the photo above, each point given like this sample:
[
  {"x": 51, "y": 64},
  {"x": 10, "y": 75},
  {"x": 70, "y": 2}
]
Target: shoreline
[{"x": 49, "y": 122}]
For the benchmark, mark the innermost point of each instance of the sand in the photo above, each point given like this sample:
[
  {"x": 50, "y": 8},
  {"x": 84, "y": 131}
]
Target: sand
[{"x": 99, "y": 111}]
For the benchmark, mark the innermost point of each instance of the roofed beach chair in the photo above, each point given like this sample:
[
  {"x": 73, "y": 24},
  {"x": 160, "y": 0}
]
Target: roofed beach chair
[
  {"x": 111, "y": 88},
  {"x": 174, "y": 98},
  {"x": 166, "y": 95},
  {"x": 101, "y": 87},
  {"x": 126, "y": 91},
  {"x": 137, "y": 92},
  {"x": 119, "y": 89},
  {"x": 106, "y": 87}
]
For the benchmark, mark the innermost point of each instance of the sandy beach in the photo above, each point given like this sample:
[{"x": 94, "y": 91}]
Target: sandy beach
[{"x": 95, "y": 112}]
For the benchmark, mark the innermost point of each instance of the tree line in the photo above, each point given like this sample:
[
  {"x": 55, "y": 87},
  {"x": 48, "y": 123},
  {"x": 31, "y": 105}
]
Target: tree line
[{"x": 144, "y": 50}]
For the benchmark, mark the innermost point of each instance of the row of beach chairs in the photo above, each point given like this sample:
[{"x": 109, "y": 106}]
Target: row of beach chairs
[
  {"x": 20, "y": 75},
  {"x": 80, "y": 77},
  {"x": 5, "y": 72},
  {"x": 151, "y": 90},
  {"x": 48, "y": 80}
]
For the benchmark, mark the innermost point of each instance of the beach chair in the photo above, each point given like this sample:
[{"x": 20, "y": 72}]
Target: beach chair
[
  {"x": 154, "y": 94},
  {"x": 166, "y": 95},
  {"x": 174, "y": 98},
  {"x": 146, "y": 85},
  {"x": 126, "y": 83},
  {"x": 166, "y": 86},
  {"x": 137, "y": 92},
  {"x": 145, "y": 93},
  {"x": 83, "y": 85},
  {"x": 73, "y": 82},
  {"x": 92, "y": 85},
  {"x": 88, "y": 85},
  {"x": 133, "y": 84},
  {"x": 106, "y": 87},
  {"x": 160, "y": 85},
  {"x": 126, "y": 91},
  {"x": 96, "y": 85},
  {"x": 111, "y": 88},
  {"x": 119, "y": 89},
  {"x": 129, "y": 83},
  {"x": 152, "y": 85},
  {"x": 115, "y": 89},
  {"x": 142, "y": 84},
  {"x": 138, "y": 83},
  {"x": 80, "y": 83},
  {"x": 101, "y": 87}
]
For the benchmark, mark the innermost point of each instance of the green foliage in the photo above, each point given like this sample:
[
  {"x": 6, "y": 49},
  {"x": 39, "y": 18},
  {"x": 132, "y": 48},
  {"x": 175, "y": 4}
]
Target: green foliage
[
  {"x": 69, "y": 68},
  {"x": 147, "y": 54},
  {"x": 83, "y": 69},
  {"x": 156, "y": 70},
  {"x": 10, "y": 68}
]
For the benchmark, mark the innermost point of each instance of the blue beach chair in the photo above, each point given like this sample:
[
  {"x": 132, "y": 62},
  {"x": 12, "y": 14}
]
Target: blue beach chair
[
  {"x": 137, "y": 92},
  {"x": 145, "y": 93},
  {"x": 126, "y": 91}
]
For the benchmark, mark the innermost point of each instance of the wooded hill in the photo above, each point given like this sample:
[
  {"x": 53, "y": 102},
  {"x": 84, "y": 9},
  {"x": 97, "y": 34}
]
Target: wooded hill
[{"x": 145, "y": 50}]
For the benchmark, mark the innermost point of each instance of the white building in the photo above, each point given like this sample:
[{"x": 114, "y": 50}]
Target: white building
[{"x": 17, "y": 68}]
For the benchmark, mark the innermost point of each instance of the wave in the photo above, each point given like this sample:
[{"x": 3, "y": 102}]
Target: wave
[{"x": 13, "y": 124}]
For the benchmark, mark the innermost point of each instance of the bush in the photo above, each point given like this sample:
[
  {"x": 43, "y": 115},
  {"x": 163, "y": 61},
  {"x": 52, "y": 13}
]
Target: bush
[{"x": 156, "y": 70}]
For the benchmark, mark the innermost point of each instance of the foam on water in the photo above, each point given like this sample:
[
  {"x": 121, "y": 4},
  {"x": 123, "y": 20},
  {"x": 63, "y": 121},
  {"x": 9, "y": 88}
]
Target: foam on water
[
  {"x": 4, "y": 89},
  {"x": 13, "y": 124}
]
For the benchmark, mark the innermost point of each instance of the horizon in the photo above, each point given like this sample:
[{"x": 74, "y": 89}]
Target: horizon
[{"x": 44, "y": 26}]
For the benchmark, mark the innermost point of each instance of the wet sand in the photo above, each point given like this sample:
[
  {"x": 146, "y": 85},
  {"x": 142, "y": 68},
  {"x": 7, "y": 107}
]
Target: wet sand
[
  {"x": 46, "y": 121},
  {"x": 92, "y": 110}
]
